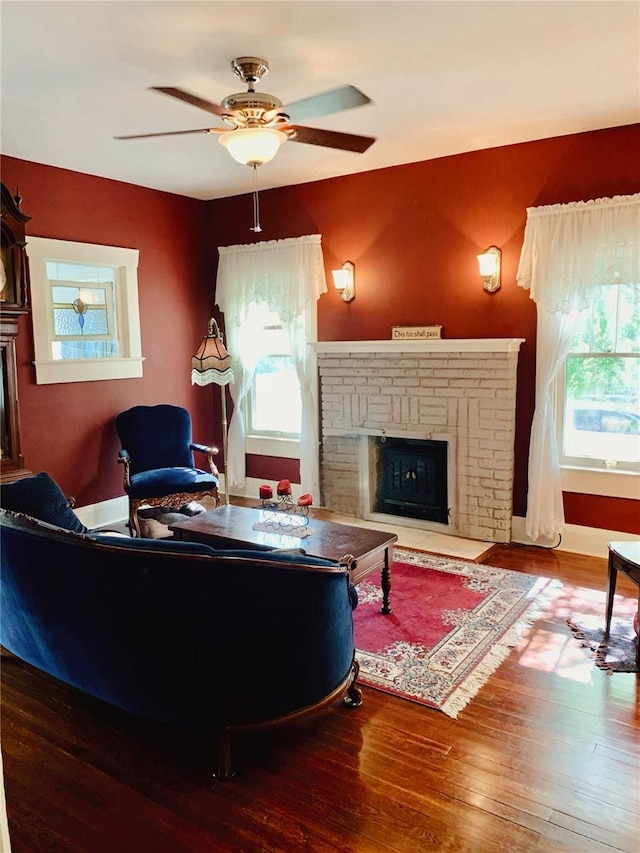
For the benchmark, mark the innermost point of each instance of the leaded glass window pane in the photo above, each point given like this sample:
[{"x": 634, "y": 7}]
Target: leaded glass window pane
[
  {"x": 67, "y": 322},
  {"x": 82, "y": 310}
]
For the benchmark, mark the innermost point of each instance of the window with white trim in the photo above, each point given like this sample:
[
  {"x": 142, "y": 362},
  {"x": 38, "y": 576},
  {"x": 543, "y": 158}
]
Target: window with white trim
[
  {"x": 274, "y": 403},
  {"x": 86, "y": 322},
  {"x": 599, "y": 388}
]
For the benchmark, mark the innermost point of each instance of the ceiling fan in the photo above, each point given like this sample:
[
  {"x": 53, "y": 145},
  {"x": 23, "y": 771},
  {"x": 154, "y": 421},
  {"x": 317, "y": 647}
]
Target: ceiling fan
[{"x": 259, "y": 123}]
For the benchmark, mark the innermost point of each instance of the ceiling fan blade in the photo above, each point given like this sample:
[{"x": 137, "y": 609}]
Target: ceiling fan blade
[
  {"x": 330, "y": 138},
  {"x": 188, "y": 98},
  {"x": 173, "y": 133},
  {"x": 343, "y": 98}
]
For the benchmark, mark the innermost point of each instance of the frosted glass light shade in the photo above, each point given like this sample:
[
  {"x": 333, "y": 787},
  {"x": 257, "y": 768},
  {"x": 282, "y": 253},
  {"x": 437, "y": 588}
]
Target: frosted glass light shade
[
  {"x": 344, "y": 281},
  {"x": 341, "y": 279},
  {"x": 489, "y": 263},
  {"x": 253, "y": 146}
]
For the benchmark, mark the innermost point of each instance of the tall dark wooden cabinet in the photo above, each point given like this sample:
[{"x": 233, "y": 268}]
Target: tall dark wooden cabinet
[{"x": 14, "y": 301}]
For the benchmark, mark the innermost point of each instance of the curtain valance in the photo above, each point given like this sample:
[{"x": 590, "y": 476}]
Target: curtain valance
[
  {"x": 284, "y": 274},
  {"x": 570, "y": 249}
]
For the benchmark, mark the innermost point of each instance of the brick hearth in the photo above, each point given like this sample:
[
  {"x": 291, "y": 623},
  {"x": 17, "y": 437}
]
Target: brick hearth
[{"x": 459, "y": 391}]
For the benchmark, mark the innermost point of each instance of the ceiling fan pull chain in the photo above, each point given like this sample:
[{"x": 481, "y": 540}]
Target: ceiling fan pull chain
[{"x": 256, "y": 201}]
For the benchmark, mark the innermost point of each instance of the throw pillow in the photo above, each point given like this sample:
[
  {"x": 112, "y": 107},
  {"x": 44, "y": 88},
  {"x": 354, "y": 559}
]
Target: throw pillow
[{"x": 42, "y": 498}]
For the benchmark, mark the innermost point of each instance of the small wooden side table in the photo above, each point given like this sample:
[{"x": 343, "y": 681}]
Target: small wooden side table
[{"x": 623, "y": 557}]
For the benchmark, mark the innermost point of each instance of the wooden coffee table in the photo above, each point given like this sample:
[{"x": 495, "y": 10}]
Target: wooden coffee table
[{"x": 232, "y": 527}]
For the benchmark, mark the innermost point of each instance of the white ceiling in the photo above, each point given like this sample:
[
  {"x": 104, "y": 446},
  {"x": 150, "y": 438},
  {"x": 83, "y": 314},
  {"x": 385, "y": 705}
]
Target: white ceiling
[{"x": 444, "y": 78}]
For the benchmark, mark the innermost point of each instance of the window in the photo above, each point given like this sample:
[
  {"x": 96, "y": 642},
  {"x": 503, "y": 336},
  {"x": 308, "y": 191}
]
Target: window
[
  {"x": 85, "y": 311},
  {"x": 274, "y": 404},
  {"x": 287, "y": 277},
  {"x": 599, "y": 391}
]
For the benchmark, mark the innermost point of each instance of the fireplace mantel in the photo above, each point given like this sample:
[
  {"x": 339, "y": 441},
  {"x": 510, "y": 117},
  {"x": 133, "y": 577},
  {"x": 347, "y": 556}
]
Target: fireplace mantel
[{"x": 439, "y": 345}]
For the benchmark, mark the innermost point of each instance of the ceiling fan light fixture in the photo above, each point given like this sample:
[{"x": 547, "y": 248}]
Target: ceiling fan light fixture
[{"x": 253, "y": 146}]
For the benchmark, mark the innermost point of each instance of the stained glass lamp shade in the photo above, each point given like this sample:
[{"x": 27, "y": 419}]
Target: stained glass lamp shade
[{"x": 211, "y": 365}]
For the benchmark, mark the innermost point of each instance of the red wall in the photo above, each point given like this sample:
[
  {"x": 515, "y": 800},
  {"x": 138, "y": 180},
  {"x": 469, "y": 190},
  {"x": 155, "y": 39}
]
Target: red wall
[
  {"x": 413, "y": 233},
  {"x": 68, "y": 429}
]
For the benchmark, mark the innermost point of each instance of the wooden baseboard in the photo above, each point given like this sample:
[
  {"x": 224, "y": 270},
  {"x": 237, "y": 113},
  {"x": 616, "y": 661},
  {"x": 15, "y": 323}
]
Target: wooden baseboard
[{"x": 575, "y": 538}]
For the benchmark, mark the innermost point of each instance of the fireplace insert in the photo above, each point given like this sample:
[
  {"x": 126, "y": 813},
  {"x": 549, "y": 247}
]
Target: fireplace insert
[{"x": 411, "y": 478}]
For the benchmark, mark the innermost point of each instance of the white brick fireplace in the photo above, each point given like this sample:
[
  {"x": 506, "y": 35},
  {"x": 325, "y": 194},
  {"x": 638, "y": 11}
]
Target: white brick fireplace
[{"x": 459, "y": 391}]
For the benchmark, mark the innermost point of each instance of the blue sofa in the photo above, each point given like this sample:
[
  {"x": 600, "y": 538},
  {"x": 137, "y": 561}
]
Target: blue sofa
[{"x": 217, "y": 641}]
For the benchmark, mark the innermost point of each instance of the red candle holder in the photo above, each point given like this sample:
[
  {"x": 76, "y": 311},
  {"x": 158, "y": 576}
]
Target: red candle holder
[{"x": 284, "y": 487}]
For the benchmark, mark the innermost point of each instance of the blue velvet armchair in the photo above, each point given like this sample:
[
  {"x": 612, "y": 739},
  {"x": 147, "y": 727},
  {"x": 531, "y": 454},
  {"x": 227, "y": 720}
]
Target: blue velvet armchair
[{"x": 157, "y": 454}]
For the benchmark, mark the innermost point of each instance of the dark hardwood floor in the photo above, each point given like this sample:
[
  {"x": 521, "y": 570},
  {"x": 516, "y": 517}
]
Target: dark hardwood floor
[{"x": 545, "y": 758}]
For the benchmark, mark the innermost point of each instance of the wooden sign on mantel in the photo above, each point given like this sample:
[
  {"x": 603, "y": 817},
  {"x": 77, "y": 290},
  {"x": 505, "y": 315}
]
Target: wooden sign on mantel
[{"x": 415, "y": 333}]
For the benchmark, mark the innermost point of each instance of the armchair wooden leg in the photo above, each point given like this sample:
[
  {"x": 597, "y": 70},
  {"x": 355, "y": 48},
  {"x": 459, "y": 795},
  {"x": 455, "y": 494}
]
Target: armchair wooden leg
[
  {"x": 224, "y": 769},
  {"x": 134, "y": 524}
]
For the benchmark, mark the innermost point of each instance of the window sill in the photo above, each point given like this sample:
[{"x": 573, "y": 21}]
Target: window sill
[
  {"x": 591, "y": 481},
  {"x": 83, "y": 370},
  {"x": 285, "y": 448}
]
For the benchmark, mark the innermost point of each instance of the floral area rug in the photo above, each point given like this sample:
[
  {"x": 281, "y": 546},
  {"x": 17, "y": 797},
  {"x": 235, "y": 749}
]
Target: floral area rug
[{"x": 453, "y": 623}]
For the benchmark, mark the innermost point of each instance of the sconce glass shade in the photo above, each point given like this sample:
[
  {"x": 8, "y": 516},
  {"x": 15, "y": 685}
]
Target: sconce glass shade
[
  {"x": 489, "y": 262},
  {"x": 344, "y": 281},
  {"x": 253, "y": 146}
]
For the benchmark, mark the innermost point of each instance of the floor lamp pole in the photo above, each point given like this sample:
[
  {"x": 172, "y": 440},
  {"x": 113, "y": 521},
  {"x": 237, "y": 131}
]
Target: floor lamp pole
[{"x": 225, "y": 443}]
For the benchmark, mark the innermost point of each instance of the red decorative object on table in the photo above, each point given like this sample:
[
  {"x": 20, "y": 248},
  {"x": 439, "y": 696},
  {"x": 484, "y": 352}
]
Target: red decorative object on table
[
  {"x": 277, "y": 511},
  {"x": 284, "y": 487}
]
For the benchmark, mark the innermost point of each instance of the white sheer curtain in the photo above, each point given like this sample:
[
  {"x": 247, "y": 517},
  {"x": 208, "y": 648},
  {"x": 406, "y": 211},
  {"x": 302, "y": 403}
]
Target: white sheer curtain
[
  {"x": 287, "y": 276},
  {"x": 568, "y": 251}
]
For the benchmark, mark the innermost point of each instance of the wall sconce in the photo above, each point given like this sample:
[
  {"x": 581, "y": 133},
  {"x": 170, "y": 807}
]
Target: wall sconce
[
  {"x": 489, "y": 262},
  {"x": 344, "y": 280}
]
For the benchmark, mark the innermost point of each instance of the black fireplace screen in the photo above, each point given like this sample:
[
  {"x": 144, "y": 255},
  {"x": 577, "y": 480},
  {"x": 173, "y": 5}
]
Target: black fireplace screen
[{"x": 411, "y": 478}]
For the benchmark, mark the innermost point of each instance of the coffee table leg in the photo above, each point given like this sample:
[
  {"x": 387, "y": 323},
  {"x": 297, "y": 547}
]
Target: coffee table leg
[
  {"x": 611, "y": 589},
  {"x": 385, "y": 584}
]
